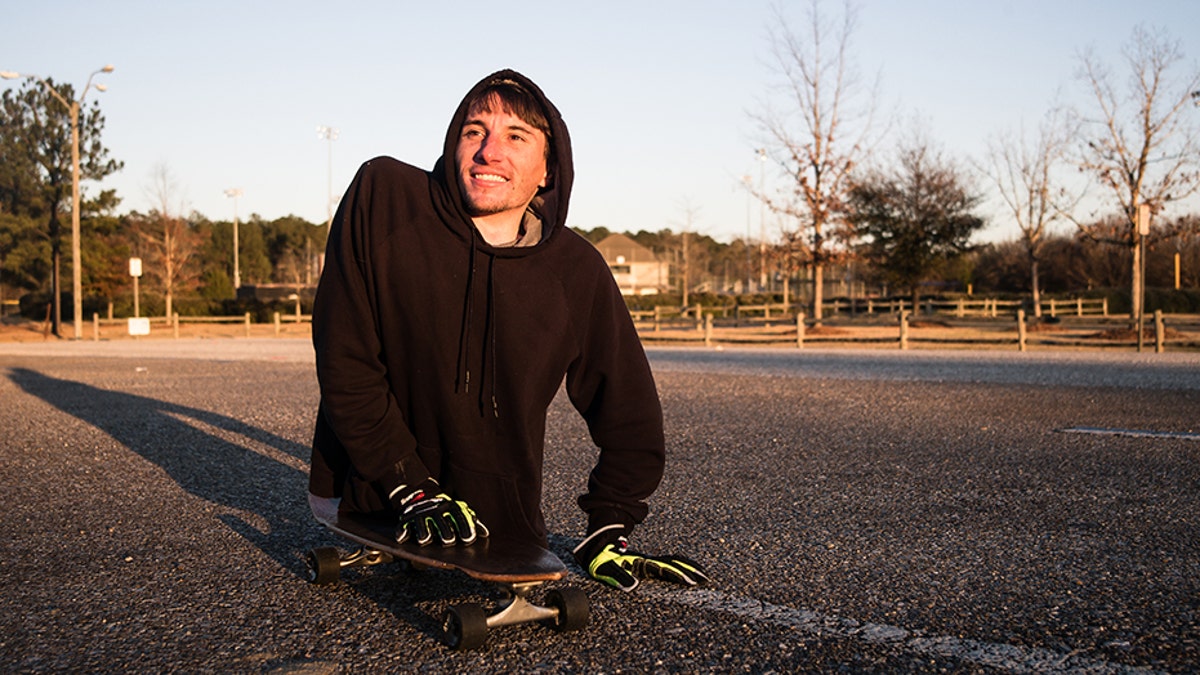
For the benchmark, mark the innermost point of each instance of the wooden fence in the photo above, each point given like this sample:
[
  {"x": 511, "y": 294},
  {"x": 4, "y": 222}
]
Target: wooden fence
[
  {"x": 174, "y": 322},
  {"x": 1076, "y": 323},
  {"x": 959, "y": 308},
  {"x": 906, "y": 330}
]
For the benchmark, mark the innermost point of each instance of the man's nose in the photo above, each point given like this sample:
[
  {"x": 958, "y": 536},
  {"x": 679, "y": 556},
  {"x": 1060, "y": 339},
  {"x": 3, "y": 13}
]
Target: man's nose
[{"x": 489, "y": 150}]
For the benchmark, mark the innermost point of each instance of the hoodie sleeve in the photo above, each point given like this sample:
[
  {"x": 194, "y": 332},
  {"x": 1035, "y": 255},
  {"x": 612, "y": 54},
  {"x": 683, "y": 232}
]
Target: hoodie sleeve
[
  {"x": 611, "y": 385},
  {"x": 357, "y": 405}
]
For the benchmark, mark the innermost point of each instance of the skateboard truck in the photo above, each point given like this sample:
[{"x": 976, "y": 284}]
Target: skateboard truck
[{"x": 466, "y": 625}]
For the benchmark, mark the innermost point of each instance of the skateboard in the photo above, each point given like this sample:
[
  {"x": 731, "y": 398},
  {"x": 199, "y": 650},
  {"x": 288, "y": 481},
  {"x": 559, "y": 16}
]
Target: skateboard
[{"x": 516, "y": 568}]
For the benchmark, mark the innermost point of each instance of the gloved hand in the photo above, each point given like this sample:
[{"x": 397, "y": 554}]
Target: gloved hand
[
  {"x": 606, "y": 557},
  {"x": 426, "y": 512}
]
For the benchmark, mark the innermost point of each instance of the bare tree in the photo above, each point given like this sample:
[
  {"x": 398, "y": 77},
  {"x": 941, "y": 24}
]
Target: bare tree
[
  {"x": 169, "y": 241},
  {"x": 1025, "y": 174},
  {"x": 820, "y": 134},
  {"x": 1140, "y": 142}
]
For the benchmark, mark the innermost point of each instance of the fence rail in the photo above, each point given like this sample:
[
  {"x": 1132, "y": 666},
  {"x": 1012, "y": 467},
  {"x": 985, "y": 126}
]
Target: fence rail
[
  {"x": 1177, "y": 331},
  {"x": 174, "y": 322},
  {"x": 1076, "y": 323},
  {"x": 960, "y": 308}
]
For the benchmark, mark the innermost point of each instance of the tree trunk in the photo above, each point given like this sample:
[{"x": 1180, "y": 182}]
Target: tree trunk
[
  {"x": 818, "y": 293},
  {"x": 1135, "y": 297},
  {"x": 1037, "y": 293},
  {"x": 55, "y": 291}
]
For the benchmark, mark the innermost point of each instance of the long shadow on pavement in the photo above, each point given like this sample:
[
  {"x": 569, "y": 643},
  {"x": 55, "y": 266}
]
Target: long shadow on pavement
[
  {"x": 270, "y": 490},
  {"x": 206, "y": 465}
]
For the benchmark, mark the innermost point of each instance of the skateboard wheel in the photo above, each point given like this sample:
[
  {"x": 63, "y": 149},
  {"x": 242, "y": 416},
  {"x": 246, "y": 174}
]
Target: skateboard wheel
[
  {"x": 324, "y": 565},
  {"x": 464, "y": 627},
  {"x": 573, "y": 608}
]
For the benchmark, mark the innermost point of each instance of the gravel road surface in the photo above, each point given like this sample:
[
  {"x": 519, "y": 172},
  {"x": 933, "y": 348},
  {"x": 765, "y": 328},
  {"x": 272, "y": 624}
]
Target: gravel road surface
[{"x": 859, "y": 511}]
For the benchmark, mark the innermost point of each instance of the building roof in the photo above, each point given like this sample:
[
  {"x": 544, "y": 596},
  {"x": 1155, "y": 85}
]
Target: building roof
[{"x": 620, "y": 245}]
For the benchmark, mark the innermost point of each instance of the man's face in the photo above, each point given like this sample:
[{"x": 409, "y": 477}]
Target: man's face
[{"x": 501, "y": 162}]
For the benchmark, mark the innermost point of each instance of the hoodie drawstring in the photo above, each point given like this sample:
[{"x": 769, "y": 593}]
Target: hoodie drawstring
[
  {"x": 462, "y": 376},
  {"x": 462, "y": 383}
]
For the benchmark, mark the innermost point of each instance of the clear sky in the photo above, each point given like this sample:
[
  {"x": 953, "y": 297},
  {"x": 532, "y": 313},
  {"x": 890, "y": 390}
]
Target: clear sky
[{"x": 658, "y": 95}]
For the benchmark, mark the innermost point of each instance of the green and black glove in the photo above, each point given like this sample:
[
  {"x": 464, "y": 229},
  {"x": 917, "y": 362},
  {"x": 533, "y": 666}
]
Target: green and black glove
[
  {"x": 606, "y": 557},
  {"x": 425, "y": 512}
]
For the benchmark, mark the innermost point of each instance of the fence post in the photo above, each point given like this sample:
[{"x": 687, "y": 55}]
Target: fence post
[
  {"x": 903, "y": 327},
  {"x": 247, "y": 324},
  {"x": 657, "y": 317},
  {"x": 799, "y": 330},
  {"x": 95, "y": 327},
  {"x": 1160, "y": 333},
  {"x": 699, "y": 318},
  {"x": 1105, "y": 306},
  {"x": 708, "y": 320},
  {"x": 175, "y": 325},
  {"x": 276, "y": 324},
  {"x": 1021, "y": 330},
  {"x": 1078, "y": 306}
]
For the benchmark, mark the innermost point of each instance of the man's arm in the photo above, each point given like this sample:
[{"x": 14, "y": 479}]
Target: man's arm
[
  {"x": 611, "y": 385},
  {"x": 357, "y": 403}
]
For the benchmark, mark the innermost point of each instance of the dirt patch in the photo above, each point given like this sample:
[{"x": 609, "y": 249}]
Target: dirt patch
[
  {"x": 826, "y": 331},
  {"x": 1130, "y": 334},
  {"x": 1046, "y": 327}
]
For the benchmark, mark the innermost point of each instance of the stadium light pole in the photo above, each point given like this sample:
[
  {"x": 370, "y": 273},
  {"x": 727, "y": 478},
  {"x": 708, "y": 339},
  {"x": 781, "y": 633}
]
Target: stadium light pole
[
  {"x": 234, "y": 193},
  {"x": 73, "y": 107},
  {"x": 762, "y": 219},
  {"x": 329, "y": 134}
]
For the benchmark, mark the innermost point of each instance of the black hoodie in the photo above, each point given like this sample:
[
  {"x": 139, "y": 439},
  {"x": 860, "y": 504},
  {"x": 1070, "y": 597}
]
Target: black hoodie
[{"x": 438, "y": 354}]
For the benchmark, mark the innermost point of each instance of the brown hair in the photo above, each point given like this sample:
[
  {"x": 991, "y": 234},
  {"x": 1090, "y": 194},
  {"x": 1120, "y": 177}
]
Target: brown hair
[{"x": 515, "y": 99}]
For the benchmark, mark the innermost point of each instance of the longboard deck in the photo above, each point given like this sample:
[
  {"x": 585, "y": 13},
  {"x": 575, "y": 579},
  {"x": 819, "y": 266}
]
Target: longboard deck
[{"x": 487, "y": 559}]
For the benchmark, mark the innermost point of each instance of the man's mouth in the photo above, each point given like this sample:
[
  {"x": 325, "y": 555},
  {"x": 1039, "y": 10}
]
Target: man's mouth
[{"x": 489, "y": 178}]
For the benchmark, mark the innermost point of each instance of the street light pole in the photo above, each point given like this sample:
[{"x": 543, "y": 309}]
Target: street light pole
[
  {"x": 72, "y": 108},
  {"x": 237, "y": 272},
  {"x": 762, "y": 221},
  {"x": 329, "y": 134}
]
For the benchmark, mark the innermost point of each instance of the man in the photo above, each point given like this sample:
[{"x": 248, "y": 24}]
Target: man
[{"x": 452, "y": 304}]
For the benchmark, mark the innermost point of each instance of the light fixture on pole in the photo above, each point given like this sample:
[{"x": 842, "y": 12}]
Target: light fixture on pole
[
  {"x": 234, "y": 193},
  {"x": 329, "y": 134},
  {"x": 72, "y": 108}
]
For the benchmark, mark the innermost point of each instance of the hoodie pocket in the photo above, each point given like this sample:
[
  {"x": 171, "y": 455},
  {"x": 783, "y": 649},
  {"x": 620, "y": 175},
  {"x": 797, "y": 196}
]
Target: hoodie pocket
[{"x": 508, "y": 511}]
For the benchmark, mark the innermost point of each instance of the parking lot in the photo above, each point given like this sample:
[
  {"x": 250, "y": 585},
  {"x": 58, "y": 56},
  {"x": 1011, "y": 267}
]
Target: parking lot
[{"x": 859, "y": 511}]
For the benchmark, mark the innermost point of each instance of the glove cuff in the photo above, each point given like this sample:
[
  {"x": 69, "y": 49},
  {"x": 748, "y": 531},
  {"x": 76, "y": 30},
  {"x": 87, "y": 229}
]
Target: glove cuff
[
  {"x": 405, "y": 495},
  {"x": 602, "y": 518},
  {"x": 598, "y": 541}
]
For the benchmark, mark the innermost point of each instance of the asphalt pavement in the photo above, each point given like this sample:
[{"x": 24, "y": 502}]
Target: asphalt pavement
[{"x": 858, "y": 510}]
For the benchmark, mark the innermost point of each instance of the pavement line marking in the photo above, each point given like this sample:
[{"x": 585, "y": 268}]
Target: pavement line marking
[
  {"x": 1005, "y": 657},
  {"x": 1136, "y": 433}
]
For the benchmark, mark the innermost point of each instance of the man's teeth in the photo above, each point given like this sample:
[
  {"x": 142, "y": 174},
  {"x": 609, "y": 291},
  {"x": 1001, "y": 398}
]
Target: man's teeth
[{"x": 491, "y": 178}]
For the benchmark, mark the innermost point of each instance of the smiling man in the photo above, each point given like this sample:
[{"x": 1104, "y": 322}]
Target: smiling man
[{"x": 453, "y": 304}]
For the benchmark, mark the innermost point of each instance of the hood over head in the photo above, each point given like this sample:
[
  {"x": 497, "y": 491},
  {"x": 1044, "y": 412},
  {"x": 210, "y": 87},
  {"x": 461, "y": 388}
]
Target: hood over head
[{"x": 550, "y": 204}]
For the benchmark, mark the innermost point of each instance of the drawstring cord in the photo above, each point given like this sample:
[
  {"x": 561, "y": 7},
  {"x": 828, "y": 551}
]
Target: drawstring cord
[
  {"x": 491, "y": 329},
  {"x": 462, "y": 383},
  {"x": 462, "y": 378}
]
